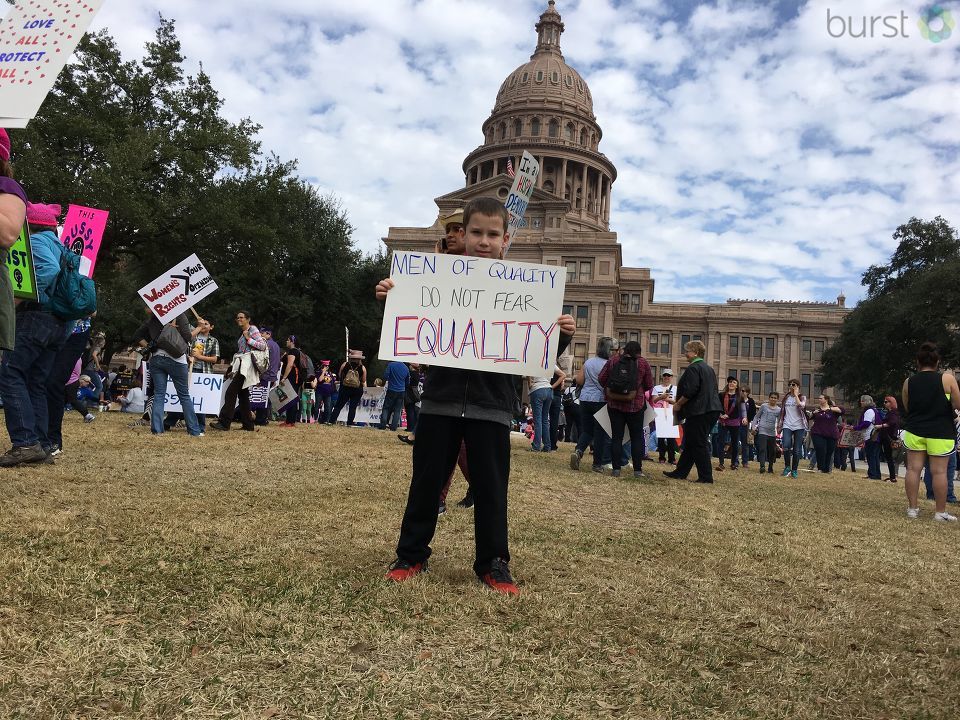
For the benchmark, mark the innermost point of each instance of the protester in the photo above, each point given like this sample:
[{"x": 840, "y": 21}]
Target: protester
[
  {"x": 698, "y": 405},
  {"x": 292, "y": 371},
  {"x": 823, "y": 431},
  {"x": 732, "y": 418},
  {"x": 308, "y": 399},
  {"x": 766, "y": 424},
  {"x": 396, "y": 377},
  {"x": 930, "y": 400},
  {"x": 243, "y": 374},
  {"x": 268, "y": 378},
  {"x": 541, "y": 399},
  {"x": 411, "y": 397},
  {"x": 747, "y": 448},
  {"x": 592, "y": 400},
  {"x": 13, "y": 210},
  {"x": 890, "y": 436},
  {"x": 627, "y": 380},
  {"x": 133, "y": 400},
  {"x": 39, "y": 336},
  {"x": 66, "y": 366},
  {"x": 448, "y": 418},
  {"x": 571, "y": 410},
  {"x": 326, "y": 387},
  {"x": 793, "y": 428},
  {"x": 556, "y": 407},
  {"x": 869, "y": 419},
  {"x": 205, "y": 354},
  {"x": 169, "y": 361},
  {"x": 353, "y": 379}
]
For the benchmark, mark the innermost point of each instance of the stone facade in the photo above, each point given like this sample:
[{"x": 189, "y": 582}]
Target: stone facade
[{"x": 545, "y": 107}]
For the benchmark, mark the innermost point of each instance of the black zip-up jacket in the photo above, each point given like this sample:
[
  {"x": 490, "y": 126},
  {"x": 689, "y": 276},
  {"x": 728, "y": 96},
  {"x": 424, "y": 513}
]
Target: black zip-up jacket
[{"x": 474, "y": 394}]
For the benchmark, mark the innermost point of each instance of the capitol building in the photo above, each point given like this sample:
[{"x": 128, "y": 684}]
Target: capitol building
[{"x": 545, "y": 107}]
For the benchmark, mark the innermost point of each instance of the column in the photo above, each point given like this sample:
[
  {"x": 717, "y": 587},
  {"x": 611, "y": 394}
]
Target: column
[
  {"x": 594, "y": 313},
  {"x": 583, "y": 189},
  {"x": 603, "y": 197},
  {"x": 609, "y": 195},
  {"x": 722, "y": 365},
  {"x": 795, "y": 355},
  {"x": 563, "y": 179},
  {"x": 540, "y": 176},
  {"x": 780, "y": 380}
]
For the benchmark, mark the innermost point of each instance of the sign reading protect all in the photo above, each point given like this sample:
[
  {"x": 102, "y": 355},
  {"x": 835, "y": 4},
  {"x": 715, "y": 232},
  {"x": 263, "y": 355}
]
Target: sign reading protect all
[
  {"x": 473, "y": 313},
  {"x": 179, "y": 289}
]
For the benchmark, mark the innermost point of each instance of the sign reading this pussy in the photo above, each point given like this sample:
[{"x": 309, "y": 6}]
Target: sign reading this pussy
[
  {"x": 473, "y": 313},
  {"x": 178, "y": 289}
]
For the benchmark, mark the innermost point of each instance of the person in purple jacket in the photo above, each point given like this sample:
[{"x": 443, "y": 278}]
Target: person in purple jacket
[
  {"x": 890, "y": 434},
  {"x": 733, "y": 416},
  {"x": 823, "y": 431},
  {"x": 13, "y": 212}
]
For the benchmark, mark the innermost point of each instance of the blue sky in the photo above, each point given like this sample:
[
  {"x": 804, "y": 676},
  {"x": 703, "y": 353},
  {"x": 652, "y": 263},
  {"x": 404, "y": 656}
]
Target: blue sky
[{"x": 758, "y": 156}]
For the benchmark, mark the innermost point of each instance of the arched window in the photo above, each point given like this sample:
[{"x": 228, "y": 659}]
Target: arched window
[
  {"x": 502, "y": 131},
  {"x": 579, "y": 203},
  {"x": 535, "y": 127},
  {"x": 539, "y": 76},
  {"x": 570, "y": 132},
  {"x": 517, "y": 128},
  {"x": 583, "y": 137},
  {"x": 566, "y": 192},
  {"x": 554, "y": 128},
  {"x": 548, "y": 186},
  {"x": 593, "y": 141}
]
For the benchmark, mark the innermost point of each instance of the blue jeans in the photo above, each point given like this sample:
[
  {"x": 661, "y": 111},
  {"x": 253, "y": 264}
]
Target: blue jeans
[
  {"x": 392, "y": 407},
  {"x": 951, "y": 474},
  {"x": 161, "y": 369},
  {"x": 541, "y": 400},
  {"x": 871, "y": 448},
  {"x": 324, "y": 407},
  {"x": 747, "y": 451},
  {"x": 792, "y": 444},
  {"x": 591, "y": 432},
  {"x": 23, "y": 376}
]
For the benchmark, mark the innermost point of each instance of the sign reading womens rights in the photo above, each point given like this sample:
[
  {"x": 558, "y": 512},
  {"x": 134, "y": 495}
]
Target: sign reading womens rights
[
  {"x": 82, "y": 233},
  {"x": 20, "y": 267},
  {"x": 178, "y": 289},
  {"x": 37, "y": 38},
  {"x": 473, "y": 313},
  {"x": 520, "y": 192}
]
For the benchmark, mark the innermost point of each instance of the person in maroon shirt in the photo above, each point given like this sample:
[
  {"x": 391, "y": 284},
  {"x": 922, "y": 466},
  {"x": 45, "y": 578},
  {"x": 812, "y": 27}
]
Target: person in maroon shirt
[{"x": 628, "y": 411}]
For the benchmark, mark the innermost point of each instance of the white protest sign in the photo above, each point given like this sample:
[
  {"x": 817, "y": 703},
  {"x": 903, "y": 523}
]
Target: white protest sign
[
  {"x": 521, "y": 191},
  {"x": 206, "y": 390},
  {"x": 473, "y": 313},
  {"x": 602, "y": 416},
  {"x": 369, "y": 409},
  {"x": 37, "y": 39},
  {"x": 664, "y": 423},
  {"x": 178, "y": 289}
]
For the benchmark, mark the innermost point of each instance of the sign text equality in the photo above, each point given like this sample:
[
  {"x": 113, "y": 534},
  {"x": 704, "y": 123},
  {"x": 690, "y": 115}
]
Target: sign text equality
[{"x": 473, "y": 313}]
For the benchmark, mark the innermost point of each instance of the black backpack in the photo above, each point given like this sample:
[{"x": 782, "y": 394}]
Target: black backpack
[{"x": 622, "y": 381}]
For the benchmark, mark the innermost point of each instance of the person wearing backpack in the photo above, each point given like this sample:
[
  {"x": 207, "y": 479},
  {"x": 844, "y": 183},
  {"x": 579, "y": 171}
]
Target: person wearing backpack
[
  {"x": 171, "y": 343},
  {"x": 627, "y": 380},
  {"x": 353, "y": 379},
  {"x": 292, "y": 370},
  {"x": 39, "y": 335}
]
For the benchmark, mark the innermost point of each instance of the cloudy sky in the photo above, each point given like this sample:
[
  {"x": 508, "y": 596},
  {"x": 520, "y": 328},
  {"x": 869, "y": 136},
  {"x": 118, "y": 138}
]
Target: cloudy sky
[{"x": 758, "y": 155}]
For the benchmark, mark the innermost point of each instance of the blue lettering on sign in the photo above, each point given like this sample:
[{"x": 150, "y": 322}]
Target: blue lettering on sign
[{"x": 413, "y": 264}]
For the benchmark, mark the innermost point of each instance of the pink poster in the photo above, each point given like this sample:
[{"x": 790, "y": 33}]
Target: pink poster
[{"x": 82, "y": 232}]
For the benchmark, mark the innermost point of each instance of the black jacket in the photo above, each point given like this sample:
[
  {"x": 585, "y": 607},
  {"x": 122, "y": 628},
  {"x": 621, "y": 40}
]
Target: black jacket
[
  {"x": 699, "y": 385},
  {"x": 473, "y": 394}
]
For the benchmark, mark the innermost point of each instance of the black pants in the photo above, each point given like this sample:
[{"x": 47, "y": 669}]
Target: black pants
[
  {"x": 766, "y": 450},
  {"x": 293, "y": 409},
  {"x": 634, "y": 422},
  {"x": 572, "y": 411},
  {"x": 488, "y": 460},
  {"x": 888, "y": 456},
  {"x": 730, "y": 436},
  {"x": 696, "y": 446},
  {"x": 824, "y": 447},
  {"x": 236, "y": 391},
  {"x": 667, "y": 446},
  {"x": 347, "y": 395},
  {"x": 56, "y": 382}
]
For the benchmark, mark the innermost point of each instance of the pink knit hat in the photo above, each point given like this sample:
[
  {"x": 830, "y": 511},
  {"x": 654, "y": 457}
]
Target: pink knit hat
[
  {"x": 40, "y": 214},
  {"x": 4, "y": 145}
]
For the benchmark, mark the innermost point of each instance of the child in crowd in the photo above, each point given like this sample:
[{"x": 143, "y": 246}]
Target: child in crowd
[
  {"x": 765, "y": 425},
  {"x": 447, "y": 418},
  {"x": 307, "y": 399}
]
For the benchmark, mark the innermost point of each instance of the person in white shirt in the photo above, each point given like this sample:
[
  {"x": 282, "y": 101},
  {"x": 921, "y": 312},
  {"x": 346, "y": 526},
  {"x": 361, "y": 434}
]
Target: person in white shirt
[
  {"x": 665, "y": 395},
  {"x": 794, "y": 428}
]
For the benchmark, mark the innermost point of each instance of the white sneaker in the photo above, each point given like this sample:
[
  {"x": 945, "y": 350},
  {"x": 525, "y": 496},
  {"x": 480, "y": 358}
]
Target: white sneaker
[
  {"x": 913, "y": 513},
  {"x": 89, "y": 417},
  {"x": 945, "y": 517}
]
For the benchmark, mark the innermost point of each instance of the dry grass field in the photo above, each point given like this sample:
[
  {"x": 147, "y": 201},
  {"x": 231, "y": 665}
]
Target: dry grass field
[{"x": 240, "y": 576}]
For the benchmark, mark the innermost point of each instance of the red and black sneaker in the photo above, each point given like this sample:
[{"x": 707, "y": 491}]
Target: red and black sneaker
[
  {"x": 401, "y": 570},
  {"x": 499, "y": 579}
]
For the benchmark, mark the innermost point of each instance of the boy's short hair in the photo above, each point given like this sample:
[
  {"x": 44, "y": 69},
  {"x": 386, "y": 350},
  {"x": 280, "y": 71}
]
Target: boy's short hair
[
  {"x": 486, "y": 206},
  {"x": 774, "y": 394}
]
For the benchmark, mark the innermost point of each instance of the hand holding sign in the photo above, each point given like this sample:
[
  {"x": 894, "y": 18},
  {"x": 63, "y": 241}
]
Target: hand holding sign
[{"x": 82, "y": 233}]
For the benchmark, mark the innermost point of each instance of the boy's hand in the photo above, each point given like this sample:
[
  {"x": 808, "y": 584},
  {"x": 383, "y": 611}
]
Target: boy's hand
[
  {"x": 567, "y": 325},
  {"x": 383, "y": 287}
]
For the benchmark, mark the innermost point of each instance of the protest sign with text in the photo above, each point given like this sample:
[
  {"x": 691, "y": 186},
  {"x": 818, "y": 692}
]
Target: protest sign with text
[
  {"x": 520, "y": 192},
  {"x": 370, "y": 408},
  {"x": 206, "y": 391},
  {"x": 473, "y": 313},
  {"x": 82, "y": 233},
  {"x": 36, "y": 40},
  {"x": 179, "y": 289},
  {"x": 20, "y": 267}
]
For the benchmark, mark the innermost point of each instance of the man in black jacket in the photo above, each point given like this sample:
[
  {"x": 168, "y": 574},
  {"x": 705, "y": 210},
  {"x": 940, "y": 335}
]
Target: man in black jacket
[{"x": 698, "y": 404}]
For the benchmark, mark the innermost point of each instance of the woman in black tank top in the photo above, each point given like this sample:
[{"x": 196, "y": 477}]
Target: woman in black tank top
[{"x": 929, "y": 401}]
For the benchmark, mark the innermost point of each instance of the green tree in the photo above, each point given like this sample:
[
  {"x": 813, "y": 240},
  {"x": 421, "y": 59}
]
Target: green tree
[
  {"x": 147, "y": 141},
  {"x": 913, "y": 298}
]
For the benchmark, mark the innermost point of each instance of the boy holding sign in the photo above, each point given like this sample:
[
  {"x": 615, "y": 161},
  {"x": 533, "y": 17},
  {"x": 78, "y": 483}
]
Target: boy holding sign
[{"x": 474, "y": 407}]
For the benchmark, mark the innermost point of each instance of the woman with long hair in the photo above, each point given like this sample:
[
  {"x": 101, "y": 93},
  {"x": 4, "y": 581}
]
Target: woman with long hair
[
  {"x": 869, "y": 419},
  {"x": 930, "y": 398},
  {"x": 734, "y": 415},
  {"x": 794, "y": 427},
  {"x": 823, "y": 431},
  {"x": 591, "y": 402},
  {"x": 890, "y": 435}
]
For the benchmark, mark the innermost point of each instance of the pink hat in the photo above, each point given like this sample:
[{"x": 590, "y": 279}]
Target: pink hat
[
  {"x": 4, "y": 145},
  {"x": 40, "y": 214}
]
